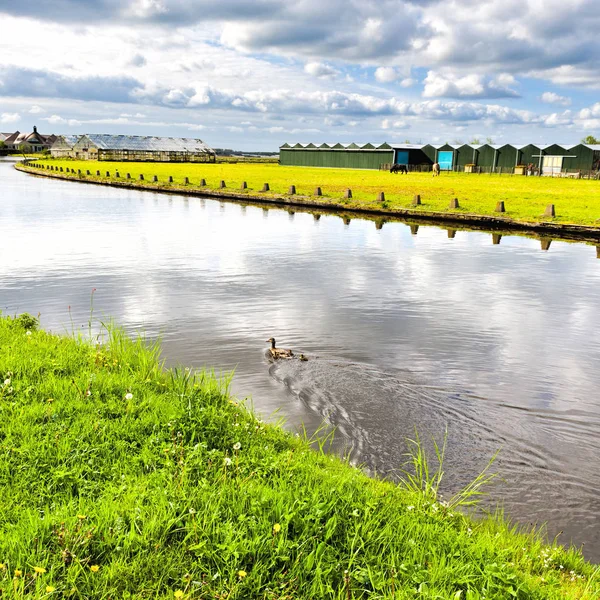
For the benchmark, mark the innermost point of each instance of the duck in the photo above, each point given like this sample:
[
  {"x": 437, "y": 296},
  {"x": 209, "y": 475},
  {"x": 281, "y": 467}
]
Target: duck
[
  {"x": 278, "y": 352},
  {"x": 303, "y": 358}
]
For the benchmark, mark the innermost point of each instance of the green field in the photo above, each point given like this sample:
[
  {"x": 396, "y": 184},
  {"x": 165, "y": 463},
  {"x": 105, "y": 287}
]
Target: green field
[
  {"x": 121, "y": 479},
  {"x": 576, "y": 201}
]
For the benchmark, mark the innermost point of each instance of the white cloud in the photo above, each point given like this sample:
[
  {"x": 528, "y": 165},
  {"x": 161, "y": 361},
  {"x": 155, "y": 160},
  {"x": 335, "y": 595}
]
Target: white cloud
[
  {"x": 388, "y": 124},
  {"x": 58, "y": 120},
  {"x": 408, "y": 82},
  {"x": 386, "y": 74},
  {"x": 553, "y": 98},
  {"x": 36, "y": 110},
  {"x": 10, "y": 117},
  {"x": 321, "y": 70},
  {"x": 450, "y": 85}
]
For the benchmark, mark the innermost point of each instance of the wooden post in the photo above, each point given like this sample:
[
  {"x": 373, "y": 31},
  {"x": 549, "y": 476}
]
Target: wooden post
[
  {"x": 61, "y": 170},
  {"x": 292, "y": 190},
  {"x": 244, "y": 185},
  {"x": 454, "y": 203},
  {"x": 381, "y": 197},
  {"x": 416, "y": 200},
  {"x": 79, "y": 172},
  {"x": 496, "y": 237},
  {"x": 545, "y": 243},
  {"x": 550, "y": 211},
  {"x": 348, "y": 193},
  {"x": 128, "y": 176},
  {"x": 154, "y": 178},
  {"x": 500, "y": 206},
  {"x": 414, "y": 229},
  {"x": 141, "y": 177},
  {"x": 186, "y": 181},
  {"x": 170, "y": 178},
  {"x": 108, "y": 173},
  {"x": 265, "y": 188},
  {"x": 222, "y": 184},
  {"x": 318, "y": 192},
  {"x": 97, "y": 173},
  {"x": 117, "y": 174},
  {"x": 88, "y": 172},
  {"x": 202, "y": 182}
]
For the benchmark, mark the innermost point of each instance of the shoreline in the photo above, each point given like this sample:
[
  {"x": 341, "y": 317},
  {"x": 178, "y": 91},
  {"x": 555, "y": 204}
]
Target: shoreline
[{"x": 580, "y": 233}]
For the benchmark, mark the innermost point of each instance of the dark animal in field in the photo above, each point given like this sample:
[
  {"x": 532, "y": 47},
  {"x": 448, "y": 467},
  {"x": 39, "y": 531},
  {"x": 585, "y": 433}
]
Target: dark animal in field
[
  {"x": 278, "y": 352},
  {"x": 436, "y": 169},
  {"x": 399, "y": 169}
]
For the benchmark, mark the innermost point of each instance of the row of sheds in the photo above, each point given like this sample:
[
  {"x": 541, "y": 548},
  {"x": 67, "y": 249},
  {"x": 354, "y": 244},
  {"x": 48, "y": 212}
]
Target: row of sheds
[
  {"x": 96, "y": 146},
  {"x": 542, "y": 158}
]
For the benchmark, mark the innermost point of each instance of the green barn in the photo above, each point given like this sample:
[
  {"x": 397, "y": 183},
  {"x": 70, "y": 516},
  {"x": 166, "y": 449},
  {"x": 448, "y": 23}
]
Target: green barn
[{"x": 341, "y": 156}]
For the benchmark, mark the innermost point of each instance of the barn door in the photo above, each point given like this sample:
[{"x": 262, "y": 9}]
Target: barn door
[
  {"x": 401, "y": 157},
  {"x": 445, "y": 160},
  {"x": 552, "y": 165}
]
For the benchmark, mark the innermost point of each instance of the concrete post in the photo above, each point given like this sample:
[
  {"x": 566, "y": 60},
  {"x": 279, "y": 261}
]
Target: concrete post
[
  {"x": 417, "y": 200},
  {"x": 348, "y": 193},
  {"x": 318, "y": 192},
  {"x": 97, "y": 173},
  {"x": 222, "y": 184},
  {"x": 550, "y": 211},
  {"x": 292, "y": 190},
  {"x": 61, "y": 170},
  {"x": 154, "y": 178},
  {"x": 454, "y": 203},
  {"x": 170, "y": 178},
  {"x": 244, "y": 186},
  {"x": 496, "y": 237},
  {"x": 381, "y": 197},
  {"x": 141, "y": 177},
  {"x": 88, "y": 172},
  {"x": 128, "y": 176},
  {"x": 186, "y": 181},
  {"x": 202, "y": 182},
  {"x": 117, "y": 174},
  {"x": 265, "y": 188},
  {"x": 500, "y": 207}
]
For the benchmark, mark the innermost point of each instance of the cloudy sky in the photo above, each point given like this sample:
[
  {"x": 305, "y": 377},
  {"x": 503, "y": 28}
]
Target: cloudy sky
[{"x": 253, "y": 74}]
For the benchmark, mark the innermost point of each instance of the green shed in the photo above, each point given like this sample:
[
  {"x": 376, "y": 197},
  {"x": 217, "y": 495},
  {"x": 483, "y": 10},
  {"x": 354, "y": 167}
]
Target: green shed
[{"x": 341, "y": 156}]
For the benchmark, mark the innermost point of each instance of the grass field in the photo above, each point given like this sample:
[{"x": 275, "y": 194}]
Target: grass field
[
  {"x": 120, "y": 479},
  {"x": 576, "y": 201}
]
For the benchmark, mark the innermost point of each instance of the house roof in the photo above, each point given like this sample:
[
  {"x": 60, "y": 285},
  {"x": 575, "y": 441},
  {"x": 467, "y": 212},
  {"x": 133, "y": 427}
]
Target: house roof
[{"x": 146, "y": 143}]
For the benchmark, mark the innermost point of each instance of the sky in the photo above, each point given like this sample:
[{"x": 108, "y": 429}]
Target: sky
[{"x": 254, "y": 74}]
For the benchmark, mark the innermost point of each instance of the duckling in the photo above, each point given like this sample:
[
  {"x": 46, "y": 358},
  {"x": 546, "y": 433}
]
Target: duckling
[
  {"x": 302, "y": 358},
  {"x": 278, "y": 352}
]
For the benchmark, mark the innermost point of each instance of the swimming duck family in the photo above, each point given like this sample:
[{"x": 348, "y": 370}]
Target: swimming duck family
[{"x": 278, "y": 352}]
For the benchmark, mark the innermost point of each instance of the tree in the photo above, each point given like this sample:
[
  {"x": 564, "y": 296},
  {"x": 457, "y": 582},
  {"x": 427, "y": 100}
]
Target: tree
[
  {"x": 590, "y": 139},
  {"x": 489, "y": 140},
  {"x": 475, "y": 142},
  {"x": 23, "y": 148}
]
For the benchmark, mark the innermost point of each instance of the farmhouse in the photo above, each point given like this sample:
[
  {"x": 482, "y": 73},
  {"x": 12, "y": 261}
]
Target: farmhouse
[
  {"x": 545, "y": 159},
  {"x": 63, "y": 146},
  {"x": 32, "y": 142},
  {"x": 136, "y": 148}
]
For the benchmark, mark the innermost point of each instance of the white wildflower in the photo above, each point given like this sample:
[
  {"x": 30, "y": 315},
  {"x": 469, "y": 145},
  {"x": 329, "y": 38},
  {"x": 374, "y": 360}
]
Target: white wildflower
[
  {"x": 28, "y": 333},
  {"x": 128, "y": 396},
  {"x": 227, "y": 461},
  {"x": 410, "y": 508},
  {"x": 237, "y": 446},
  {"x": 7, "y": 381}
]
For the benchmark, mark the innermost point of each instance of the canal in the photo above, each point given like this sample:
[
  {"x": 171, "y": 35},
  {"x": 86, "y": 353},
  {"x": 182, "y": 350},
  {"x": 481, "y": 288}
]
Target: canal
[{"x": 496, "y": 344}]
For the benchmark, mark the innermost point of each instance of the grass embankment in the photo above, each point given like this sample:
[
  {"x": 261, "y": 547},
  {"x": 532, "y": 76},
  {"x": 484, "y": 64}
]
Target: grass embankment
[
  {"x": 120, "y": 479},
  {"x": 526, "y": 198}
]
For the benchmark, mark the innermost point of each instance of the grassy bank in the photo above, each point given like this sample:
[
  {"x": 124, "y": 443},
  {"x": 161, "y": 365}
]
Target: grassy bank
[
  {"x": 120, "y": 479},
  {"x": 526, "y": 198}
]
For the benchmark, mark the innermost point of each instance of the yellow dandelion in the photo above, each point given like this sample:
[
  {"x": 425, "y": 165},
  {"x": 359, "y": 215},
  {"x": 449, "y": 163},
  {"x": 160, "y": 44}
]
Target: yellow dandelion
[
  {"x": 178, "y": 594},
  {"x": 82, "y": 517},
  {"x": 49, "y": 589},
  {"x": 50, "y": 400},
  {"x": 276, "y": 528},
  {"x": 2, "y": 566},
  {"x": 242, "y": 574},
  {"x": 18, "y": 572},
  {"x": 39, "y": 570},
  {"x": 94, "y": 568}
]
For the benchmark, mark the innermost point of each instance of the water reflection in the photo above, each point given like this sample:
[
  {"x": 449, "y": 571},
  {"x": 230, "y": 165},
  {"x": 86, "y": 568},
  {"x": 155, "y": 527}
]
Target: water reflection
[{"x": 405, "y": 325}]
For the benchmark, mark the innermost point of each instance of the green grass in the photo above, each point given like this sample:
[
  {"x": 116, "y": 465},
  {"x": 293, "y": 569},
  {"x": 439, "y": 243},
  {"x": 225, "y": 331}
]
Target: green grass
[
  {"x": 121, "y": 479},
  {"x": 526, "y": 198}
]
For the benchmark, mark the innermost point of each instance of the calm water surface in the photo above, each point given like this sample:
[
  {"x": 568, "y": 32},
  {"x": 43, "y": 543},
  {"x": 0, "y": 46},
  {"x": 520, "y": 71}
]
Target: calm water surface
[{"x": 498, "y": 343}]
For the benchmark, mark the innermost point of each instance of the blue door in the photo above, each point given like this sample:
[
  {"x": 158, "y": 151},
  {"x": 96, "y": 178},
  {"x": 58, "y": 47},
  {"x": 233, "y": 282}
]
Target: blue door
[
  {"x": 401, "y": 157},
  {"x": 445, "y": 160}
]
